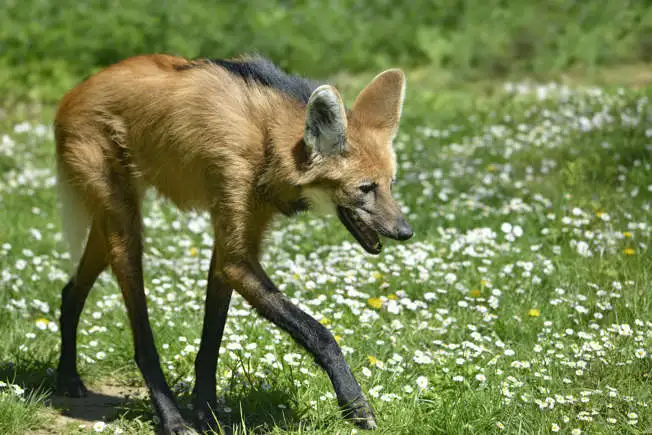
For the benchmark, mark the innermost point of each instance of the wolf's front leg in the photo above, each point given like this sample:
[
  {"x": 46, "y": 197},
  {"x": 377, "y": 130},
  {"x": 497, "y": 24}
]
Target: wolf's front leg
[
  {"x": 249, "y": 279},
  {"x": 218, "y": 298}
]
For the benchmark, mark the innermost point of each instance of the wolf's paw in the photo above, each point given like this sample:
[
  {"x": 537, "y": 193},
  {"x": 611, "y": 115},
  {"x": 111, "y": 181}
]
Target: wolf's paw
[
  {"x": 360, "y": 414},
  {"x": 71, "y": 386}
]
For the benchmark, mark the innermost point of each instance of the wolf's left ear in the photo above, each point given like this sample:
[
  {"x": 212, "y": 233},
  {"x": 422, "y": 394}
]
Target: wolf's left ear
[
  {"x": 380, "y": 103},
  {"x": 325, "y": 131}
]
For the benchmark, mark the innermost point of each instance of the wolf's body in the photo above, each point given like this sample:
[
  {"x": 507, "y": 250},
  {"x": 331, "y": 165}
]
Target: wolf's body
[{"x": 243, "y": 141}]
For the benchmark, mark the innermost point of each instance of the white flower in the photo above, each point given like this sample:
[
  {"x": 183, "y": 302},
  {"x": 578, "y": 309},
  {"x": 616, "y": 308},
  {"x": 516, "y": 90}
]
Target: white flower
[
  {"x": 292, "y": 358},
  {"x": 422, "y": 383},
  {"x": 640, "y": 353},
  {"x": 583, "y": 249},
  {"x": 392, "y": 307},
  {"x": 506, "y": 227},
  {"x": 555, "y": 427},
  {"x": 624, "y": 330},
  {"x": 234, "y": 346},
  {"x": 375, "y": 391},
  {"x": 480, "y": 377},
  {"x": 35, "y": 233},
  {"x": 99, "y": 426}
]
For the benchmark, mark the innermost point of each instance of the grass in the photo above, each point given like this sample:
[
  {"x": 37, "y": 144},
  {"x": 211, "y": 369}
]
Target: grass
[
  {"x": 43, "y": 55},
  {"x": 522, "y": 303},
  {"x": 19, "y": 412}
]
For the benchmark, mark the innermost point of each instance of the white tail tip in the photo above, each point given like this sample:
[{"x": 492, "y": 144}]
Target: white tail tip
[{"x": 75, "y": 218}]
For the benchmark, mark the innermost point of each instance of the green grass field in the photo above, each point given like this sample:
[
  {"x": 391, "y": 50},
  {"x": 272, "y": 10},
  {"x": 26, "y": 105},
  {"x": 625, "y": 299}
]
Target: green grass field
[{"x": 523, "y": 303}]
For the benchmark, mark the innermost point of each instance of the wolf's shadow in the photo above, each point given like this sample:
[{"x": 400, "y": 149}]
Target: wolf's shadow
[{"x": 256, "y": 410}]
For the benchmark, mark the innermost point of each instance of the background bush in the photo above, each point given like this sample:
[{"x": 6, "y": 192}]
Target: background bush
[{"x": 48, "y": 45}]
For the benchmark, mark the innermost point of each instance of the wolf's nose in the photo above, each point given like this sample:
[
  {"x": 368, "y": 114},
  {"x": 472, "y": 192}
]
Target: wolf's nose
[{"x": 404, "y": 230}]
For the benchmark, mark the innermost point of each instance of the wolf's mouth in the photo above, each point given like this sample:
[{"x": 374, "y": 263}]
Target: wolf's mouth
[{"x": 363, "y": 233}]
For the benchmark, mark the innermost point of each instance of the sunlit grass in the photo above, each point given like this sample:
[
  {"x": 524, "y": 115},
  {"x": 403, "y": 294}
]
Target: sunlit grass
[{"x": 522, "y": 303}]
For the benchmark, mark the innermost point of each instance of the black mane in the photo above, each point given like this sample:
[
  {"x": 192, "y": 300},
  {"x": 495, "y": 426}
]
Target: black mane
[{"x": 262, "y": 71}]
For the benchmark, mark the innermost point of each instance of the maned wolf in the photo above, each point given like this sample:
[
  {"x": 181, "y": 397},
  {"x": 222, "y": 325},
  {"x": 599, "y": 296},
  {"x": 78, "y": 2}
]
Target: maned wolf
[{"x": 244, "y": 141}]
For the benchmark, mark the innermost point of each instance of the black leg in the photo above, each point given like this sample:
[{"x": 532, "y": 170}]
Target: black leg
[
  {"x": 73, "y": 297},
  {"x": 125, "y": 249},
  {"x": 218, "y": 297},
  {"x": 69, "y": 382},
  {"x": 252, "y": 282}
]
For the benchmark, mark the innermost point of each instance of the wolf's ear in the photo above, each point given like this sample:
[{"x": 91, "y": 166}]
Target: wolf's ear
[
  {"x": 380, "y": 103},
  {"x": 325, "y": 131}
]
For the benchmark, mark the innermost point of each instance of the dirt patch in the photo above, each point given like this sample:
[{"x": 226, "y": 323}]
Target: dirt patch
[{"x": 103, "y": 403}]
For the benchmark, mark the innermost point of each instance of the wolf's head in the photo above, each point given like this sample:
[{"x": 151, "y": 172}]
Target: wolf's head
[{"x": 352, "y": 158}]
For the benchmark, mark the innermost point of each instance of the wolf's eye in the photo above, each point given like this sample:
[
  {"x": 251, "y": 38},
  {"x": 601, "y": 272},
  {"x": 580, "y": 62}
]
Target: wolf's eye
[{"x": 368, "y": 187}]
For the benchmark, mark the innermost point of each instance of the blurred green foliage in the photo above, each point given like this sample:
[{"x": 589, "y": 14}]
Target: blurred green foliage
[{"x": 46, "y": 46}]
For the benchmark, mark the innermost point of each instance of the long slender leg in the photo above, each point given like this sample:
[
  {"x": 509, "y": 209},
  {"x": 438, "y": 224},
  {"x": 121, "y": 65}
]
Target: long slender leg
[
  {"x": 249, "y": 279},
  {"x": 93, "y": 262},
  {"x": 218, "y": 297},
  {"x": 125, "y": 249}
]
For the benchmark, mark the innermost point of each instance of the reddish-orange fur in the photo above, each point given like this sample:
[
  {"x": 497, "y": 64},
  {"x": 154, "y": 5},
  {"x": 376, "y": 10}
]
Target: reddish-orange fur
[
  {"x": 201, "y": 139},
  {"x": 206, "y": 141}
]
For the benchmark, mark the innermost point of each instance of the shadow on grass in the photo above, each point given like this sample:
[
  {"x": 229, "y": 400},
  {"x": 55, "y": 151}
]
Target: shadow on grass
[
  {"x": 253, "y": 411},
  {"x": 38, "y": 377},
  {"x": 250, "y": 411},
  {"x": 33, "y": 376}
]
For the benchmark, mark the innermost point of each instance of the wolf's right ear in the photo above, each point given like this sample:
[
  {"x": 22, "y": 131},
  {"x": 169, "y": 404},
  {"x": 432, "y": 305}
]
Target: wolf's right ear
[{"x": 325, "y": 131}]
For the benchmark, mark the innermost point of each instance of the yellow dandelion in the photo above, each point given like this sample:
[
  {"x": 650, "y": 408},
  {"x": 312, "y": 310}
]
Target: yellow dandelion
[
  {"x": 491, "y": 168},
  {"x": 377, "y": 275},
  {"x": 599, "y": 213},
  {"x": 375, "y": 361},
  {"x": 534, "y": 312},
  {"x": 42, "y": 323},
  {"x": 325, "y": 321},
  {"x": 475, "y": 293},
  {"x": 296, "y": 276},
  {"x": 628, "y": 234},
  {"x": 193, "y": 252},
  {"x": 376, "y": 303},
  {"x": 629, "y": 251},
  {"x": 338, "y": 338},
  {"x": 392, "y": 297}
]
